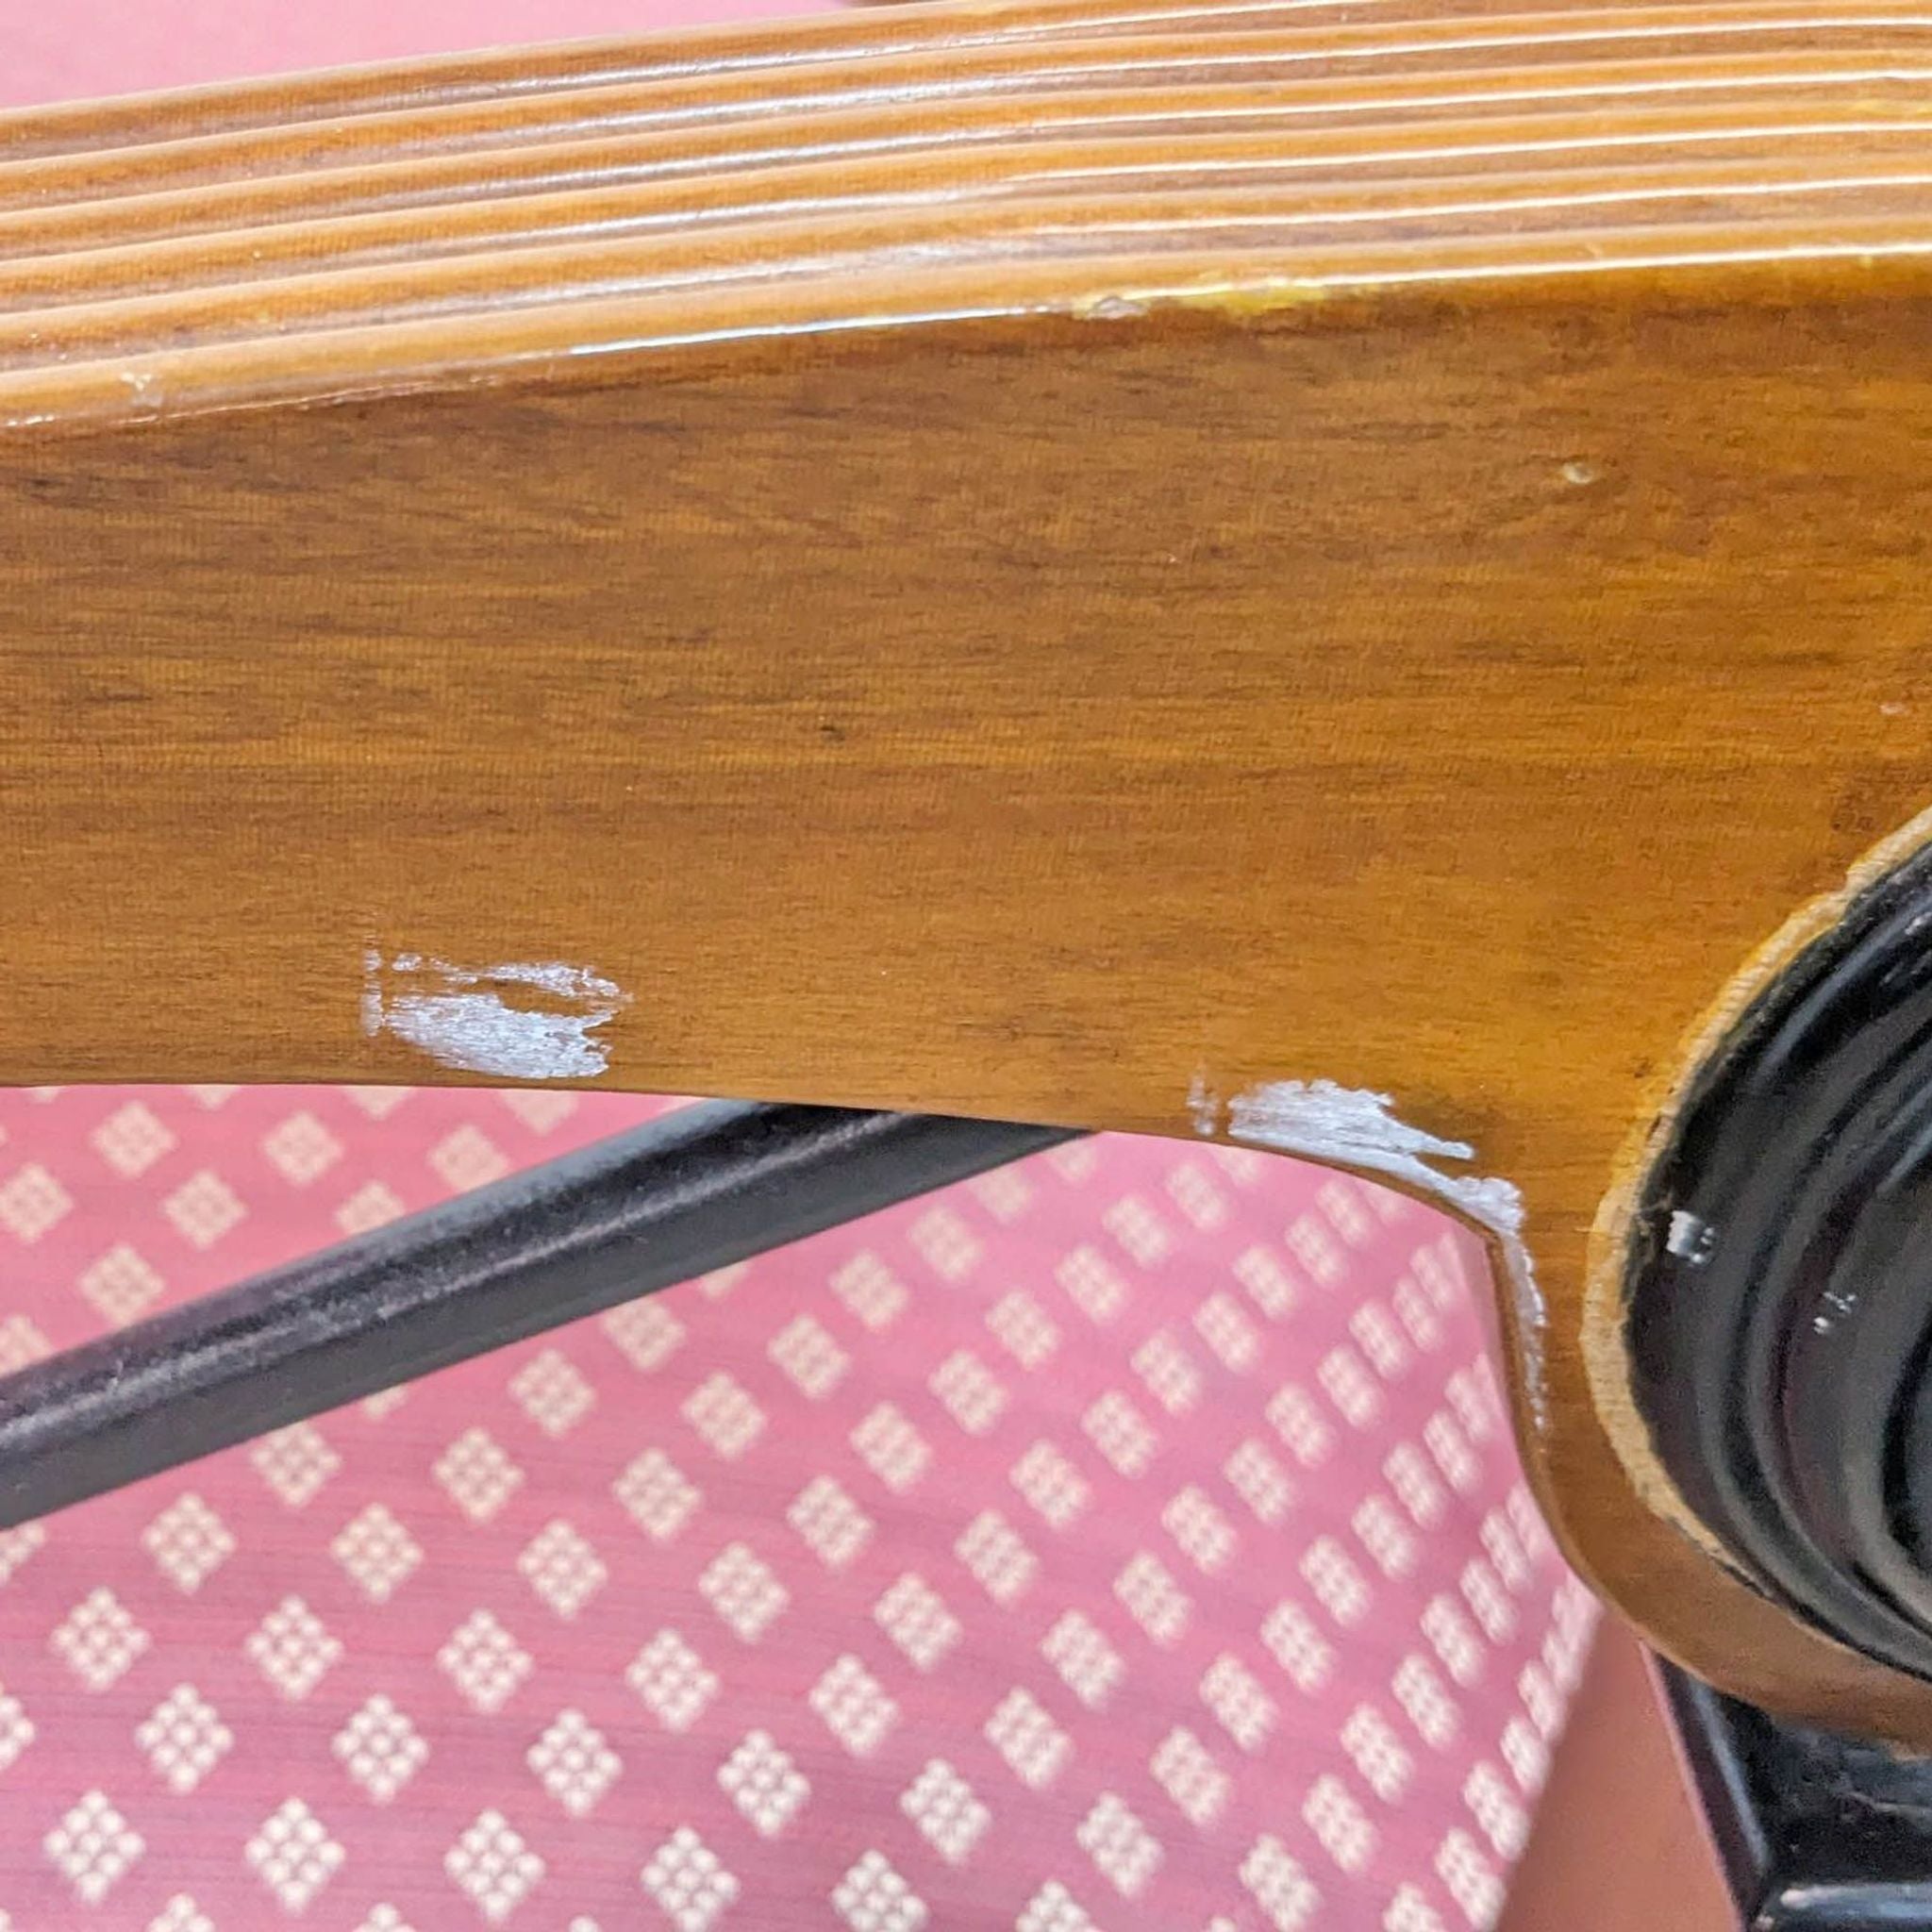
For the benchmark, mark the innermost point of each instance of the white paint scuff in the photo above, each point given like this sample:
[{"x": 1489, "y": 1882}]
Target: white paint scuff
[
  {"x": 1354, "y": 1127},
  {"x": 524, "y": 1020}
]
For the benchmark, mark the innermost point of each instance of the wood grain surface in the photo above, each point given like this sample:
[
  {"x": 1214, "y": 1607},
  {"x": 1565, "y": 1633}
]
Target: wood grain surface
[{"x": 1035, "y": 560}]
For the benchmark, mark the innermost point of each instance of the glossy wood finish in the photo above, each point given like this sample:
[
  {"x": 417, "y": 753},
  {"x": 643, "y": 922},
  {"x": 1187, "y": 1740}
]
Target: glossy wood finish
[{"x": 1045, "y": 562}]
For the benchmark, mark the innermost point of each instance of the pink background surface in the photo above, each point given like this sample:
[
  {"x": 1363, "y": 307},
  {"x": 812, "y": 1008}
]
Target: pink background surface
[
  {"x": 71, "y": 49},
  {"x": 1128, "y": 1539}
]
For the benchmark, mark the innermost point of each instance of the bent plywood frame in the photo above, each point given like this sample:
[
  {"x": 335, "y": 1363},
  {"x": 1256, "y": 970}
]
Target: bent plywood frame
[{"x": 1020, "y": 562}]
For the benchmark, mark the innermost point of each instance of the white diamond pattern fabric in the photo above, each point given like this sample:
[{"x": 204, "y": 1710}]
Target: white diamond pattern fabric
[{"x": 1128, "y": 1539}]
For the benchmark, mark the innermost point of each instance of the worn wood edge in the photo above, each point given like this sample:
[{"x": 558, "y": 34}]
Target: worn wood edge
[
  {"x": 1017, "y": 73},
  {"x": 561, "y": 66},
  {"x": 1113, "y": 181},
  {"x": 593, "y": 342},
  {"x": 1261, "y": 248},
  {"x": 475, "y": 75},
  {"x": 722, "y": 49},
  {"x": 1420, "y": 149}
]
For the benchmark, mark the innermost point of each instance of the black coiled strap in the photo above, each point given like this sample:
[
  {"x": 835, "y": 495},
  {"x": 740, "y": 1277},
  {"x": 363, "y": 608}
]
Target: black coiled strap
[{"x": 1780, "y": 1292}]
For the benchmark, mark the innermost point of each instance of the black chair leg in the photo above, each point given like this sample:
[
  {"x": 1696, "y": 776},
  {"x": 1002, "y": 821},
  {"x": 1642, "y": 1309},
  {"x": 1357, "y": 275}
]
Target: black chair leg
[
  {"x": 692, "y": 1192},
  {"x": 1815, "y": 1832}
]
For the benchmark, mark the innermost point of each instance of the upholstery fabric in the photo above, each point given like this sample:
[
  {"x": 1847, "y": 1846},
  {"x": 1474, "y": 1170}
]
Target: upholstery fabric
[{"x": 1127, "y": 1538}]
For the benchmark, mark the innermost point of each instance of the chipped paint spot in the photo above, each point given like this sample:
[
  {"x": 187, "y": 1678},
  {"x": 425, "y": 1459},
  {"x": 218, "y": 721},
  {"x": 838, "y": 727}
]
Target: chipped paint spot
[
  {"x": 1243, "y": 300},
  {"x": 1240, "y": 300},
  {"x": 1110, "y": 307},
  {"x": 524, "y": 1020},
  {"x": 1203, "y": 1102},
  {"x": 1354, "y": 1127}
]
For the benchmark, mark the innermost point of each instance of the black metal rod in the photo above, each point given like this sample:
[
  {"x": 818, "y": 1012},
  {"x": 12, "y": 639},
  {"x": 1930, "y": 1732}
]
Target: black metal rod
[
  {"x": 1815, "y": 1832},
  {"x": 695, "y": 1190},
  {"x": 1717, "y": 1756}
]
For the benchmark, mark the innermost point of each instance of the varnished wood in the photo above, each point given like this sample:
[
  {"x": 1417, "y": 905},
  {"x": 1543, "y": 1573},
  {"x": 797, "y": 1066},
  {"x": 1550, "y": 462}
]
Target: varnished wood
[{"x": 1417, "y": 605}]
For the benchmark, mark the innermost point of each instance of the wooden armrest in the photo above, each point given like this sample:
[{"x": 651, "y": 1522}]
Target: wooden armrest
[{"x": 1173, "y": 568}]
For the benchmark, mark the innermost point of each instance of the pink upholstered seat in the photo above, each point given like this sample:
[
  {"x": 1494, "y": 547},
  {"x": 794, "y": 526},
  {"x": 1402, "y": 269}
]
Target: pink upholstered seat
[{"x": 1128, "y": 1538}]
